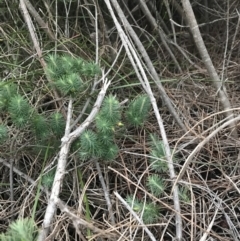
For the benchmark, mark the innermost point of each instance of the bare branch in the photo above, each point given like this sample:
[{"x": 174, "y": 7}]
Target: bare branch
[
  {"x": 61, "y": 166},
  {"x": 145, "y": 56},
  {"x": 41, "y": 23},
  {"x": 208, "y": 62},
  {"x": 138, "y": 67},
  {"x": 106, "y": 193},
  {"x": 161, "y": 34}
]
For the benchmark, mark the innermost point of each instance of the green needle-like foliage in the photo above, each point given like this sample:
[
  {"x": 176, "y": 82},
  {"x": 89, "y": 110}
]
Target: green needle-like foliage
[
  {"x": 69, "y": 84},
  {"x": 88, "y": 144},
  {"x": 111, "y": 110},
  {"x": 148, "y": 210},
  {"x": 105, "y": 138},
  {"x": 136, "y": 205},
  {"x": 3, "y": 133},
  {"x": 6, "y": 92},
  {"x": 39, "y": 126},
  {"x": 104, "y": 125},
  {"x": 138, "y": 110},
  {"x": 75, "y": 65},
  {"x": 150, "y": 213},
  {"x": 100, "y": 144},
  {"x": 9, "y": 90},
  {"x": 57, "y": 124},
  {"x": 184, "y": 194},
  {"x": 109, "y": 152},
  {"x": 3, "y": 102},
  {"x": 156, "y": 185},
  {"x": 48, "y": 178},
  {"x": 93, "y": 146},
  {"x": 21, "y": 230},
  {"x": 66, "y": 73},
  {"x": 90, "y": 69},
  {"x": 55, "y": 68},
  {"x": 19, "y": 110},
  {"x": 67, "y": 63},
  {"x": 19, "y": 105},
  {"x": 158, "y": 160}
]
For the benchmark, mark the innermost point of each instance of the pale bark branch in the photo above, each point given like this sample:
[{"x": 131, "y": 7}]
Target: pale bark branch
[
  {"x": 68, "y": 138},
  {"x": 161, "y": 34},
  {"x": 145, "y": 56},
  {"x": 106, "y": 192},
  {"x": 220, "y": 88},
  {"x": 138, "y": 67},
  {"x": 39, "y": 20},
  {"x": 35, "y": 41}
]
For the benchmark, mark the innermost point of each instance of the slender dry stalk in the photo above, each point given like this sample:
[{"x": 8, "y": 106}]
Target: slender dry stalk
[
  {"x": 38, "y": 18},
  {"x": 206, "y": 233},
  {"x": 148, "y": 62},
  {"x": 78, "y": 221},
  {"x": 138, "y": 67},
  {"x": 220, "y": 88},
  {"x": 106, "y": 192},
  {"x": 36, "y": 43},
  {"x": 233, "y": 44},
  {"x": 135, "y": 216},
  {"x": 161, "y": 34},
  {"x": 32, "y": 32}
]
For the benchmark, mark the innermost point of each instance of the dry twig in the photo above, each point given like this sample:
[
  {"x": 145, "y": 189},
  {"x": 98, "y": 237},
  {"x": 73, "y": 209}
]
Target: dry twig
[{"x": 67, "y": 140}]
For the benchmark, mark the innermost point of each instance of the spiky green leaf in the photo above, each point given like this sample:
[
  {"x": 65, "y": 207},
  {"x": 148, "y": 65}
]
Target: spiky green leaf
[
  {"x": 48, "y": 178},
  {"x": 70, "y": 84},
  {"x": 57, "y": 123},
  {"x": 3, "y": 133},
  {"x": 111, "y": 110},
  {"x": 39, "y": 126},
  {"x": 138, "y": 110},
  {"x": 109, "y": 152},
  {"x": 21, "y": 230},
  {"x": 158, "y": 155},
  {"x": 184, "y": 194},
  {"x": 89, "y": 144},
  {"x": 156, "y": 185},
  {"x": 149, "y": 211}
]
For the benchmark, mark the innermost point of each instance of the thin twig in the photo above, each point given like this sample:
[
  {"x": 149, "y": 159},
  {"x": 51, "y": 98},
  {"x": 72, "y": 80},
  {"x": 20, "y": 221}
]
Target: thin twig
[
  {"x": 106, "y": 193},
  {"x": 200, "y": 145},
  {"x": 206, "y": 233},
  {"x": 63, "y": 206},
  {"x": 157, "y": 28},
  {"x": 39, "y": 20},
  {"x": 77, "y": 221},
  {"x": 23, "y": 175},
  {"x": 220, "y": 87},
  {"x": 35, "y": 41},
  {"x": 32, "y": 31},
  {"x": 233, "y": 42},
  {"x": 151, "y": 236},
  {"x": 138, "y": 67},
  {"x": 144, "y": 55}
]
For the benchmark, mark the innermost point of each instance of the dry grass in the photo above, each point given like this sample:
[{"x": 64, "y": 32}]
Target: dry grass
[{"x": 212, "y": 178}]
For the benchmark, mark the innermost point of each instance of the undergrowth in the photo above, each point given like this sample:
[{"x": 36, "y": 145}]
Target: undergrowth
[{"x": 72, "y": 77}]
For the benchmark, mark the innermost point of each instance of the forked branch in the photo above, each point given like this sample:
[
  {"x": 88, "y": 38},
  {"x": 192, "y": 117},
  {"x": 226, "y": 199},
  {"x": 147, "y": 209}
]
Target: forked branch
[{"x": 67, "y": 140}]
